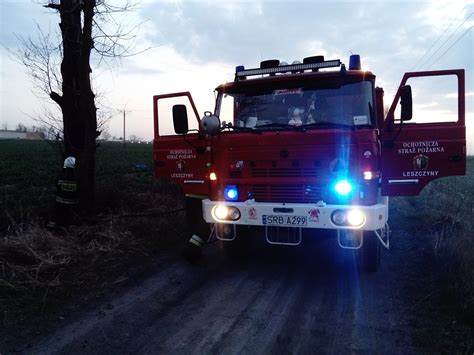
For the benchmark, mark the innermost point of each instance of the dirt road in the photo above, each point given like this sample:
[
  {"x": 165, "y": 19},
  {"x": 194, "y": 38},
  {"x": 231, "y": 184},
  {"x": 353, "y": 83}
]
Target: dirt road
[{"x": 277, "y": 301}]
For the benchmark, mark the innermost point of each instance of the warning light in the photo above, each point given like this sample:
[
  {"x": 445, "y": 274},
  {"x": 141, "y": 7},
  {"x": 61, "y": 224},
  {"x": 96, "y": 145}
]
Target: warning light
[
  {"x": 368, "y": 175},
  {"x": 343, "y": 187},
  {"x": 231, "y": 193}
]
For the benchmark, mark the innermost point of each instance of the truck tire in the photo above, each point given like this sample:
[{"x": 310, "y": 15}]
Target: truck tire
[{"x": 369, "y": 254}]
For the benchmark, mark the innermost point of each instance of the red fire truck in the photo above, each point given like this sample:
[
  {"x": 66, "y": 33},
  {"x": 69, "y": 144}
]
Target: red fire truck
[{"x": 295, "y": 151}]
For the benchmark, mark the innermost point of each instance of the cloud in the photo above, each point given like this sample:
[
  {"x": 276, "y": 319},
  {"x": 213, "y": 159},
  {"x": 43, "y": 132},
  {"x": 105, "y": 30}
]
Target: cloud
[
  {"x": 454, "y": 95},
  {"x": 445, "y": 13},
  {"x": 212, "y": 31},
  {"x": 246, "y": 34},
  {"x": 163, "y": 70},
  {"x": 423, "y": 114},
  {"x": 197, "y": 44},
  {"x": 20, "y": 18},
  {"x": 425, "y": 106}
]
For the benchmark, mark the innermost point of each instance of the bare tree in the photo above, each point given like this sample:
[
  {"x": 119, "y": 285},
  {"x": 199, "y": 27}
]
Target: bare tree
[
  {"x": 134, "y": 138},
  {"x": 61, "y": 68},
  {"x": 105, "y": 135},
  {"x": 21, "y": 128}
]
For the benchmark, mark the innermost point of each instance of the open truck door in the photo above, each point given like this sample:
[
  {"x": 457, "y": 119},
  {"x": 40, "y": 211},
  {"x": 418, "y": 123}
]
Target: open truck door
[
  {"x": 180, "y": 151},
  {"x": 414, "y": 154}
]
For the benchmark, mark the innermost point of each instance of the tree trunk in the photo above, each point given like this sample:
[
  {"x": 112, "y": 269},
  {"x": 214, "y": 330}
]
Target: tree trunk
[{"x": 77, "y": 102}]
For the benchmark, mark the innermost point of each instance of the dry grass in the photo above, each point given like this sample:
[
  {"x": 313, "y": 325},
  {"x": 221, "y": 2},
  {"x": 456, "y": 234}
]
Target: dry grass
[
  {"x": 443, "y": 214},
  {"x": 40, "y": 268}
]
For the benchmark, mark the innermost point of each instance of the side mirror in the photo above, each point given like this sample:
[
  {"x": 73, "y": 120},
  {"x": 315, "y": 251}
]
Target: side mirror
[
  {"x": 406, "y": 103},
  {"x": 180, "y": 119},
  {"x": 379, "y": 107}
]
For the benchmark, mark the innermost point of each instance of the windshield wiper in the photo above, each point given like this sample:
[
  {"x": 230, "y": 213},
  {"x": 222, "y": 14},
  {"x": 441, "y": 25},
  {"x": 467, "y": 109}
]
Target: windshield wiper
[
  {"x": 324, "y": 124},
  {"x": 276, "y": 125},
  {"x": 248, "y": 129},
  {"x": 296, "y": 128},
  {"x": 235, "y": 128}
]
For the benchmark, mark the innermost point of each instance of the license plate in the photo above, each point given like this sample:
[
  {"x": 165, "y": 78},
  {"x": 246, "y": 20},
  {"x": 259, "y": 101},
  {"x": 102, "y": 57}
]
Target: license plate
[{"x": 281, "y": 220}]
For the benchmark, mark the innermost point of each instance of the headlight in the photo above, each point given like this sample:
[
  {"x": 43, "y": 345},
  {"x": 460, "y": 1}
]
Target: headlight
[
  {"x": 355, "y": 218},
  {"x": 339, "y": 217},
  {"x": 221, "y": 212},
  {"x": 234, "y": 214},
  {"x": 225, "y": 213},
  {"x": 352, "y": 218}
]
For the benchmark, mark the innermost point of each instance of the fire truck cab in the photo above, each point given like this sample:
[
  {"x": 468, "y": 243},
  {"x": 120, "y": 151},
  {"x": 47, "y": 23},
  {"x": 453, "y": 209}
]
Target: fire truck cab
[{"x": 292, "y": 151}]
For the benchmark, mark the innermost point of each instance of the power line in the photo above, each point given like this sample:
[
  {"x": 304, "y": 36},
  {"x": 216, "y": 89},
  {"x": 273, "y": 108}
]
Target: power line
[
  {"x": 452, "y": 34},
  {"x": 452, "y": 45},
  {"x": 442, "y": 34}
]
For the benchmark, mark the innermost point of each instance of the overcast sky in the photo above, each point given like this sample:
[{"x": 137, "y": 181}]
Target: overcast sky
[{"x": 195, "y": 45}]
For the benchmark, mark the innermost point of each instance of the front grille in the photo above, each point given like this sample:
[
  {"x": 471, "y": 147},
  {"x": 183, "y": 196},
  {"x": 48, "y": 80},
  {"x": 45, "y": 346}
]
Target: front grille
[
  {"x": 286, "y": 193},
  {"x": 235, "y": 174},
  {"x": 284, "y": 172}
]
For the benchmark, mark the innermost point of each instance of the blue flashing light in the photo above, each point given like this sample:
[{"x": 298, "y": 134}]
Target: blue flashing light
[
  {"x": 354, "y": 62},
  {"x": 343, "y": 187},
  {"x": 239, "y": 68},
  {"x": 231, "y": 193}
]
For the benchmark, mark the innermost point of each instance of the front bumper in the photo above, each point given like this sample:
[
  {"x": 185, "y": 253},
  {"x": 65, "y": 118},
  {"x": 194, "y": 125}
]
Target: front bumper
[{"x": 317, "y": 215}]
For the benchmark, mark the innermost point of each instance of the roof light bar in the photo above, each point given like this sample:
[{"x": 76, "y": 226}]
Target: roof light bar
[{"x": 287, "y": 68}]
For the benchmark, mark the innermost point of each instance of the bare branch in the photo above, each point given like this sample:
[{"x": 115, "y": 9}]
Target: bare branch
[
  {"x": 111, "y": 38},
  {"x": 41, "y": 60},
  {"x": 56, "y": 98},
  {"x": 49, "y": 117},
  {"x": 53, "y": 6}
]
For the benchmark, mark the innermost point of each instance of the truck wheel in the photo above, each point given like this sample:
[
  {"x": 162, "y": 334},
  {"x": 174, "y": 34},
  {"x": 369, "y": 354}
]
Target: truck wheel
[{"x": 370, "y": 253}]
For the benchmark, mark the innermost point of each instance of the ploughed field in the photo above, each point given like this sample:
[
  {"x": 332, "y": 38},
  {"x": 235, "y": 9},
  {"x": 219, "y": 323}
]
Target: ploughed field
[
  {"x": 132, "y": 292},
  {"x": 29, "y": 169}
]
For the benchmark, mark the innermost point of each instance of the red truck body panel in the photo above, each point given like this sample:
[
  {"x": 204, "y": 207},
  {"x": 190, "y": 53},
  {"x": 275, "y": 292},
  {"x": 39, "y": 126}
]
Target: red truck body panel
[
  {"x": 183, "y": 159},
  {"x": 415, "y": 154},
  {"x": 302, "y": 165}
]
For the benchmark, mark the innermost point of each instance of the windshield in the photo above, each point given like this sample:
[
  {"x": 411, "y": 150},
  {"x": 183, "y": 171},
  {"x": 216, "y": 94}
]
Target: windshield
[{"x": 346, "y": 105}]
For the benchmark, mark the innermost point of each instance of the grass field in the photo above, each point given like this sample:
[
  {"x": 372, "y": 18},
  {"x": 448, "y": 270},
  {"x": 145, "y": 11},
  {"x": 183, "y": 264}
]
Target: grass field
[
  {"x": 442, "y": 216},
  {"x": 28, "y": 171},
  {"x": 40, "y": 267}
]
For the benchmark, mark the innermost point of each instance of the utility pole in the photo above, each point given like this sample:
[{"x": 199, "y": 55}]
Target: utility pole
[
  {"x": 124, "y": 134},
  {"x": 124, "y": 113}
]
